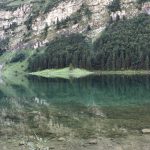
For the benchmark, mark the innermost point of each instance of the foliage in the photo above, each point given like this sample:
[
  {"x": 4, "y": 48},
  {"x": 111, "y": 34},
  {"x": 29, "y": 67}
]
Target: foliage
[
  {"x": 51, "y": 4},
  {"x": 114, "y": 6},
  {"x": 61, "y": 53},
  {"x": 4, "y": 6},
  {"x": 86, "y": 11},
  {"x": 75, "y": 17},
  {"x": 45, "y": 33},
  {"x": 124, "y": 45},
  {"x": 30, "y": 19},
  {"x": 13, "y": 26},
  {"x": 4, "y": 43},
  {"x": 142, "y": 1},
  {"x": 18, "y": 57},
  {"x": 65, "y": 73}
]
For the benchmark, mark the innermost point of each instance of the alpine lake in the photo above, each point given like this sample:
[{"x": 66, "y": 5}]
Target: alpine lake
[{"x": 93, "y": 113}]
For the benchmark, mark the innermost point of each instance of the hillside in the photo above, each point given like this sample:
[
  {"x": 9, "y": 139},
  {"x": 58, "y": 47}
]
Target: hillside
[{"x": 95, "y": 35}]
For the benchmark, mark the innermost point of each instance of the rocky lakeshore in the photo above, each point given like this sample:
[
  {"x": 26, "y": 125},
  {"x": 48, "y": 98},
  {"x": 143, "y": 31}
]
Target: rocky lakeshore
[{"x": 131, "y": 142}]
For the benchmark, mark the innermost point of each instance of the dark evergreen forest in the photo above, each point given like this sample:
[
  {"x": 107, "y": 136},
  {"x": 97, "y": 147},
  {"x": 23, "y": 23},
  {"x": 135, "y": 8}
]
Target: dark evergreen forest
[{"x": 123, "y": 45}]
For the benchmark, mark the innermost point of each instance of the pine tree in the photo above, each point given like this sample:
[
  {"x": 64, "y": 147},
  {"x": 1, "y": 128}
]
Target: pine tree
[
  {"x": 88, "y": 63},
  {"x": 114, "y": 61},
  {"x": 109, "y": 63},
  {"x": 46, "y": 31},
  {"x": 147, "y": 62},
  {"x": 57, "y": 24}
]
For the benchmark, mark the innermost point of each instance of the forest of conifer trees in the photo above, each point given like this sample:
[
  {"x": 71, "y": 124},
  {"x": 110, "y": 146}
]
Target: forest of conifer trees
[{"x": 123, "y": 45}]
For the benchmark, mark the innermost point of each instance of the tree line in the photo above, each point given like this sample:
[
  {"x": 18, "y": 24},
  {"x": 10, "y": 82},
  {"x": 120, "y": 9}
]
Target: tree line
[
  {"x": 123, "y": 45},
  {"x": 62, "y": 52}
]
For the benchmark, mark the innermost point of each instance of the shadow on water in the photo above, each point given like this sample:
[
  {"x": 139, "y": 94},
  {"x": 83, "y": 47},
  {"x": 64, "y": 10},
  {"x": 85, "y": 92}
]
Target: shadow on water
[
  {"x": 92, "y": 106},
  {"x": 94, "y": 90}
]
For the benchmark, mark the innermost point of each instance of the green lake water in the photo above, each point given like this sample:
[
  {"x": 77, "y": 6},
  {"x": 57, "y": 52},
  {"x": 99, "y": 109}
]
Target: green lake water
[{"x": 93, "y": 106}]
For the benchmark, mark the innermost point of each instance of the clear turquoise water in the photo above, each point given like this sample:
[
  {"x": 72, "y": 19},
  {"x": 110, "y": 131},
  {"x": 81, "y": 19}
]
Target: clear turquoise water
[
  {"x": 92, "y": 106},
  {"x": 100, "y": 90}
]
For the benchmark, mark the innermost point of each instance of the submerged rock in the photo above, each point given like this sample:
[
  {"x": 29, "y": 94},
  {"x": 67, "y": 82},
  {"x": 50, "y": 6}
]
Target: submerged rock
[
  {"x": 146, "y": 131},
  {"x": 51, "y": 147},
  {"x": 93, "y": 141},
  {"x": 61, "y": 139},
  {"x": 22, "y": 143}
]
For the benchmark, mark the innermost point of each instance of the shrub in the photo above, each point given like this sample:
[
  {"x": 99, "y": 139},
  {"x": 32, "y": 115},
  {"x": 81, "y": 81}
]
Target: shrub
[
  {"x": 51, "y": 4},
  {"x": 30, "y": 19},
  {"x": 142, "y": 1},
  {"x": 75, "y": 17},
  {"x": 114, "y": 6},
  {"x": 4, "y": 43},
  {"x": 18, "y": 57}
]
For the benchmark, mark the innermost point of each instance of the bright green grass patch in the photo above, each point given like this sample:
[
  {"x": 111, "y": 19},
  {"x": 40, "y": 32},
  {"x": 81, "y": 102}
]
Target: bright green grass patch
[
  {"x": 14, "y": 68},
  {"x": 124, "y": 72},
  {"x": 19, "y": 2},
  {"x": 6, "y": 57},
  {"x": 65, "y": 73},
  {"x": 13, "y": 71}
]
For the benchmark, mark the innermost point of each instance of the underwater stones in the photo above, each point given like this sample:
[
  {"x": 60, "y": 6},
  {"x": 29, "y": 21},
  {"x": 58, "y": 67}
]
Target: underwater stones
[
  {"x": 96, "y": 111},
  {"x": 146, "y": 131},
  {"x": 31, "y": 138},
  {"x": 93, "y": 141},
  {"x": 61, "y": 139},
  {"x": 51, "y": 147},
  {"x": 22, "y": 143},
  {"x": 40, "y": 147},
  {"x": 123, "y": 130},
  {"x": 36, "y": 112}
]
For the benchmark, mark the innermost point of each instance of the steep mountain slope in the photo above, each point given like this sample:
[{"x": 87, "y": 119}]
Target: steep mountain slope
[
  {"x": 31, "y": 24},
  {"x": 24, "y": 22}
]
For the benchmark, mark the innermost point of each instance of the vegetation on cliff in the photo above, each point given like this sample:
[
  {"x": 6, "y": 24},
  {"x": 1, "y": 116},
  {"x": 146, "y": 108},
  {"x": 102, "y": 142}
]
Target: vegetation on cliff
[
  {"x": 62, "y": 52},
  {"x": 123, "y": 45},
  {"x": 3, "y": 45},
  {"x": 142, "y": 1},
  {"x": 114, "y": 6}
]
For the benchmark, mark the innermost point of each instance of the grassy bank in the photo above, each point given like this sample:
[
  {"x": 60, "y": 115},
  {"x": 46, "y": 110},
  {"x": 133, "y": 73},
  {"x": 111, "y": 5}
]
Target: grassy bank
[
  {"x": 14, "y": 72},
  {"x": 14, "y": 68},
  {"x": 19, "y": 69},
  {"x": 65, "y": 73},
  {"x": 124, "y": 72}
]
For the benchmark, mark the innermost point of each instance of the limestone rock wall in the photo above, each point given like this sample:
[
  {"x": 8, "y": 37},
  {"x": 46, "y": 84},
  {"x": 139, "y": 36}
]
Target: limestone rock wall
[
  {"x": 100, "y": 16},
  {"x": 61, "y": 12},
  {"x": 13, "y": 19}
]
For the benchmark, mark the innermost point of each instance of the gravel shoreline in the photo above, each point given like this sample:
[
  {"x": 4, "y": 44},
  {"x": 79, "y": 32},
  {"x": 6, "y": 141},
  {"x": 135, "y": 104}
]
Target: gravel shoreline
[{"x": 131, "y": 142}]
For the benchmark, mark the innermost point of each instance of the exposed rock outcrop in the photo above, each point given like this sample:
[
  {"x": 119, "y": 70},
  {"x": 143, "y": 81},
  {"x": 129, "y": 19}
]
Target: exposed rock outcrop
[{"x": 13, "y": 24}]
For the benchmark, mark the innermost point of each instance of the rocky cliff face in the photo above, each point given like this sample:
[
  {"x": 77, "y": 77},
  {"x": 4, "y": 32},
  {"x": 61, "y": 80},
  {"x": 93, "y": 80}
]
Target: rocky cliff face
[{"x": 26, "y": 28}]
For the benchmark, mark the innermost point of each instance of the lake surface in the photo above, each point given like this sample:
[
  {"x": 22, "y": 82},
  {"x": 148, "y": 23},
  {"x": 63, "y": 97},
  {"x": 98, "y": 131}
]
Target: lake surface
[{"x": 110, "y": 106}]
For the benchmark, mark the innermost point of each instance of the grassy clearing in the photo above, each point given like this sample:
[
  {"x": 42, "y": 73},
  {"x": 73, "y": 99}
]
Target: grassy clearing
[
  {"x": 19, "y": 2},
  {"x": 65, "y": 73},
  {"x": 6, "y": 57},
  {"x": 14, "y": 72},
  {"x": 124, "y": 72},
  {"x": 10, "y": 69}
]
